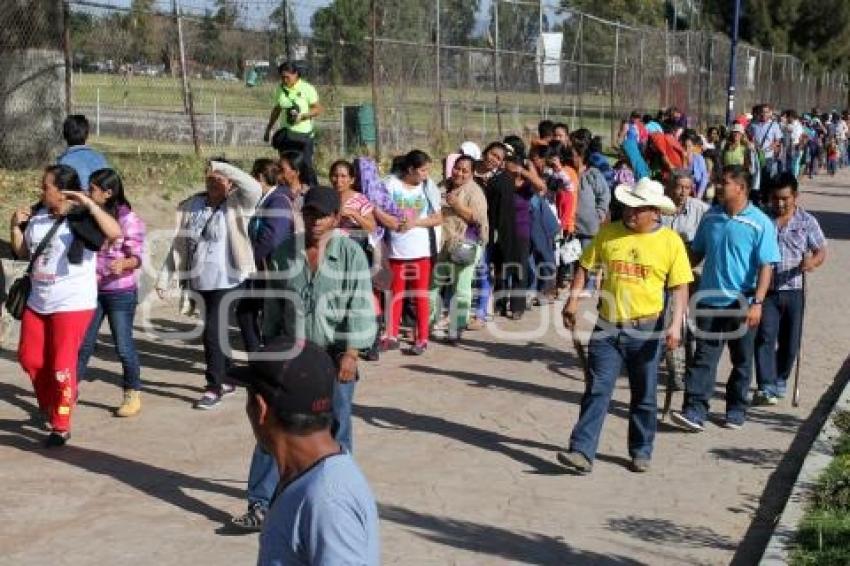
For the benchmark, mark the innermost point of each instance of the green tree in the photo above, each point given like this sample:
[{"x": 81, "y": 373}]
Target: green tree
[
  {"x": 227, "y": 12},
  {"x": 139, "y": 25},
  {"x": 632, "y": 12},
  {"x": 282, "y": 25},
  {"x": 339, "y": 40},
  {"x": 210, "y": 49}
]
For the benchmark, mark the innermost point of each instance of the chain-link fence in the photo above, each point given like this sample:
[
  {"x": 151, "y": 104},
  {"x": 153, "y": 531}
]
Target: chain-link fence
[
  {"x": 436, "y": 71},
  {"x": 32, "y": 75}
]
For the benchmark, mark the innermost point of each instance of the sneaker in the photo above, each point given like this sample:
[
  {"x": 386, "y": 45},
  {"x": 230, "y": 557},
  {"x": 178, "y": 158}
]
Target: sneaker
[
  {"x": 253, "y": 519},
  {"x": 210, "y": 399},
  {"x": 373, "y": 354},
  {"x": 639, "y": 465},
  {"x": 575, "y": 461},
  {"x": 388, "y": 344},
  {"x": 688, "y": 423},
  {"x": 781, "y": 388},
  {"x": 476, "y": 324},
  {"x": 417, "y": 349},
  {"x": 131, "y": 405},
  {"x": 227, "y": 389},
  {"x": 734, "y": 422},
  {"x": 763, "y": 399},
  {"x": 56, "y": 439}
]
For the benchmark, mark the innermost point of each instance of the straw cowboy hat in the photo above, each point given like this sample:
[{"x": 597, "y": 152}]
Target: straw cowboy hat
[{"x": 645, "y": 193}]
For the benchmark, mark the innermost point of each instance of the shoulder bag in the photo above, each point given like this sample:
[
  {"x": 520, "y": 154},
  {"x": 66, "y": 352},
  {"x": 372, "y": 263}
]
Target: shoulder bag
[{"x": 19, "y": 292}]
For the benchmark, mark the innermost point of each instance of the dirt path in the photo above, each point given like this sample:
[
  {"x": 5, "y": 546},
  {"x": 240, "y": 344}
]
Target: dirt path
[{"x": 458, "y": 445}]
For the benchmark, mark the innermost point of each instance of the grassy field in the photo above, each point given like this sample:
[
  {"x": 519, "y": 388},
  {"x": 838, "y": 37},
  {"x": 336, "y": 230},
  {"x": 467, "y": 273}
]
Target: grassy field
[{"x": 467, "y": 113}]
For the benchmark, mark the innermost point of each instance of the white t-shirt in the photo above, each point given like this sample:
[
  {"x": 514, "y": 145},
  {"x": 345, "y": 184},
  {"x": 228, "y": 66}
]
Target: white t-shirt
[
  {"x": 414, "y": 203},
  {"x": 57, "y": 284}
]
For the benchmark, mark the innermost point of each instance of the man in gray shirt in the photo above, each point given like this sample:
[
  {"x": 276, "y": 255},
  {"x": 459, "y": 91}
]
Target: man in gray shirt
[{"x": 324, "y": 512}]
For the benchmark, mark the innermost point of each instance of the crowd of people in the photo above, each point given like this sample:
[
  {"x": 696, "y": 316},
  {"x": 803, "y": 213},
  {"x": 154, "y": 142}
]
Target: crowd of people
[{"x": 320, "y": 278}]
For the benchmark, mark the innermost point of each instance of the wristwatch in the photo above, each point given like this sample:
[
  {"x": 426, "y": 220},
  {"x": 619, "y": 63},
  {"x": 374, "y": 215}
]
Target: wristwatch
[{"x": 757, "y": 301}]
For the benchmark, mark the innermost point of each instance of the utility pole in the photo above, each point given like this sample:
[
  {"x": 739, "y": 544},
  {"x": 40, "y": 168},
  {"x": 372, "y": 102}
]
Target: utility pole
[
  {"x": 373, "y": 16},
  {"x": 730, "y": 96},
  {"x": 497, "y": 65},
  {"x": 187, "y": 93},
  {"x": 542, "y": 58},
  {"x": 66, "y": 47},
  {"x": 437, "y": 40},
  {"x": 287, "y": 48}
]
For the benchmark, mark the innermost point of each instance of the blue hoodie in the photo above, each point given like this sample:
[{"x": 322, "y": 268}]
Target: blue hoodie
[{"x": 84, "y": 160}]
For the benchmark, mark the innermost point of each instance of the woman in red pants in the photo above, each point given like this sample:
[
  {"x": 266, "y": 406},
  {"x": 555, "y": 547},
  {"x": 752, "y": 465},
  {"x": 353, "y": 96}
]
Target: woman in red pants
[
  {"x": 64, "y": 289},
  {"x": 412, "y": 244}
]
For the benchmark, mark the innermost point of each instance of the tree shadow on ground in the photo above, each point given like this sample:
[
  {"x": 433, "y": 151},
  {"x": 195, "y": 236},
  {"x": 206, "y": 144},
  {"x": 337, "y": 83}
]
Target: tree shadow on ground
[
  {"x": 663, "y": 531},
  {"x": 835, "y": 225},
  {"x": 778, "y": 487},
  {"x": 501, "y": 384},
  {"x": 827, "y": 194},
  {"x": 398, "y": 419},
  {"x": 166, "y": 485},
  {"x": 524, "y": 547},
  {"x": 757, "y": 457},
  {"x": 530, "y": 351}
]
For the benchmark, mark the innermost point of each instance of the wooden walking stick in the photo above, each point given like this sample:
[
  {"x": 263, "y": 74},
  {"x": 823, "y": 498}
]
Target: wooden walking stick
[{"x": 795, "y": 399}]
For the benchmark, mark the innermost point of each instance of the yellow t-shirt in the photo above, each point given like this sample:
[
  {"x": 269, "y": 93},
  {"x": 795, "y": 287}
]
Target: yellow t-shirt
[{"x": 636, "y": 268}]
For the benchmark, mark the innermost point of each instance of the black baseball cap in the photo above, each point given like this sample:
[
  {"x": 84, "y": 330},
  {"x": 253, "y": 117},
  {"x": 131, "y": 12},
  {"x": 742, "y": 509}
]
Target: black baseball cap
[
  {"x": 323, "y": 200},
  {"x": 299, "y": 379}
]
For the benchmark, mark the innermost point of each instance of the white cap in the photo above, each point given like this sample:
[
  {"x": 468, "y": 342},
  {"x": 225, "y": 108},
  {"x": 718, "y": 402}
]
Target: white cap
[{"x": 471, "y": 149}]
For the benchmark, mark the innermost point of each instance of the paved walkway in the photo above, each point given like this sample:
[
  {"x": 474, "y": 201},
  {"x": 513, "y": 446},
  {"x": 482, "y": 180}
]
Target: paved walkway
[{"x": 458, "y": 445}]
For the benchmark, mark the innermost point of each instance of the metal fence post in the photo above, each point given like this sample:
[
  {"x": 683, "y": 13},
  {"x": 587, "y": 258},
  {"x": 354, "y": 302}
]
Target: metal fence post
[
  {"x": 97, "y": 114},
  {"x": 215, "y": 121},
  {"x": 612, "y": 116}
]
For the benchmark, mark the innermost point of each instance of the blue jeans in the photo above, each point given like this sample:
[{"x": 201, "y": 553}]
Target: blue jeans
[
  {"x": 120, "y": 309},
  {"x": 484, "y": 283},
  {"x": 778, "y": 340},
  {"x": 702, "y": 373},
  {"x": 638, "y": 347},
  {"x": 263, "y": 475}
]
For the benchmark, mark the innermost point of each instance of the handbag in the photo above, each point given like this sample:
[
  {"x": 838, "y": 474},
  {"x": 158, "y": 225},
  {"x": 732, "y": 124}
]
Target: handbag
[
  {"x": 464, "y": 251},
  {"x": 19, "y": 292}
]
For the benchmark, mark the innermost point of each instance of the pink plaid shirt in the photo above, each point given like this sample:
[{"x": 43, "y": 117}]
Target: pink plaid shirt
[{"x": 130, "y": 244}]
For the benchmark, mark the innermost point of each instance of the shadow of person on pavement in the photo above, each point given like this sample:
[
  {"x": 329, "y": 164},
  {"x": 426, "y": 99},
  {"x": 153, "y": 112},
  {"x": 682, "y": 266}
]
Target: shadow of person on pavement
[
  {"x": 399, "y": 419},
  {"x": 166, "y": 485},
  {"x": 524, "y": 547}
]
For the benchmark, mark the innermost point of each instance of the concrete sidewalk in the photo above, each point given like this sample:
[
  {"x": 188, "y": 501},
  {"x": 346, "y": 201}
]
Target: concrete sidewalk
[{"x": 458, "y": 445}]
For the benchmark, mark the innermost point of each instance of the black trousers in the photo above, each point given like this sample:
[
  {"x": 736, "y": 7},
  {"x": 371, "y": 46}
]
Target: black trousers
[{"x": 511, "y": 278}]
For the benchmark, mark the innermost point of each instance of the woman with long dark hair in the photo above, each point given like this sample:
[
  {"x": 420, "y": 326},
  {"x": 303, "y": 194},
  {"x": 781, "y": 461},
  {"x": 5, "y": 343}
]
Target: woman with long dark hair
[
  {"x": 117, "y": 286},
  {"x": 293, "y": 175},
  {"x": 61, "y": 235},
  {"x": 412, "y": 244}
]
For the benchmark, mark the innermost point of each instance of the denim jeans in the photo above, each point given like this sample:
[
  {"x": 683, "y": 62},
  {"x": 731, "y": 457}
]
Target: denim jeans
[
  {"x": 484, "y": 283},
  {"x": 120, "y": 309},
  {"x": 778, "y": 340},
  {"x": 723, "y": 329},
  {"x": 264, "y": 475},
  {"x": 609, "y": 348}
]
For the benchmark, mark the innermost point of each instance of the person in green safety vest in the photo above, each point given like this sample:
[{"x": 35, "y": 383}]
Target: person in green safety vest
[{"x": 296, "y": 104}]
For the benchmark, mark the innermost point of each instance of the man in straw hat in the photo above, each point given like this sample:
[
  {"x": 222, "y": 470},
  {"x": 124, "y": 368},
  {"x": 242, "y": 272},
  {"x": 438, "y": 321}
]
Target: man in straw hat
[
  {"x": 640, "y": 259},
  {"x": 739, "y": 244}
]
